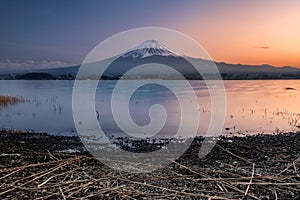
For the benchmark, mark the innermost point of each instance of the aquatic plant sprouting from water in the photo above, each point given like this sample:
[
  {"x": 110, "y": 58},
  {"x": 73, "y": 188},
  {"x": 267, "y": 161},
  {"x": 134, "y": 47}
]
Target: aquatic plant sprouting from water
[
  {"x": 10, "y": 100},
  {"x": 294, "y": 120}
]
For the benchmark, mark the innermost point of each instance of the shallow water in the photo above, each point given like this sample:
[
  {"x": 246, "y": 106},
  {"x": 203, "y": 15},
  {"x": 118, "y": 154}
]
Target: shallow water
[{"x": 253, "y": 106}]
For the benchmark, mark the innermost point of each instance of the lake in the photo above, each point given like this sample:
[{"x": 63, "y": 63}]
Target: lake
[{"x": 252, "y": 106}]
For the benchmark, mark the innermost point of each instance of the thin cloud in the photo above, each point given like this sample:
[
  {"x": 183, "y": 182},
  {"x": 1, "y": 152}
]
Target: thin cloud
[
  {"x": 262, "y": 47},
  {"x": 13, "y": 66}
]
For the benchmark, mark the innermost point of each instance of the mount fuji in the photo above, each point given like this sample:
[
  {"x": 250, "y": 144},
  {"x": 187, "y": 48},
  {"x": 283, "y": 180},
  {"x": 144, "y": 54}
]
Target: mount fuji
[{"x": 154, "y": 53}]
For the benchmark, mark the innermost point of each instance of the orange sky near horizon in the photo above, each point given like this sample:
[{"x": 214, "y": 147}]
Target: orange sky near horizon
[
  {"x": 251, "y": 32},
  {"x": 256, "y": 32}
]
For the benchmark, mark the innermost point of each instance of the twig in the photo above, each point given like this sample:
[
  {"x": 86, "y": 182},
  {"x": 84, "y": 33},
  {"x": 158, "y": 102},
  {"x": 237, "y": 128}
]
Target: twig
[
  {"x": 68, "y": 161},
  {"x": 175, "y": 191},
  {"x": 248, "y": 187},
  {"x": 52, "y": 156},
  {"x": 276, "y": 196},
  {"x": 239, "y": 157},
  {"x": 238, "y": 190},
  {"x": 54, "y": 176},
  {"x": 267, "y": 183},
  {"x": 198, "y": 173},
  {"x": 290, "y": 165},
  {"x": 62, "y": 193}
]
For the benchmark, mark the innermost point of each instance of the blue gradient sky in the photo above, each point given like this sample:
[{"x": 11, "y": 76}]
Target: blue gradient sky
[{"x": 231, "y": 31}]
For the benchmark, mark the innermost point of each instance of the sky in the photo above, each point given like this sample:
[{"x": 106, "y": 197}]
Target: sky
[{"x": 54, "y": 33}]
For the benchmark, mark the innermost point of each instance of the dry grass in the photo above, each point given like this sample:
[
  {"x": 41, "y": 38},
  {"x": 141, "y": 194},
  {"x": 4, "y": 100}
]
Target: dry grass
[
  {"x": 81, "y": 177},
  {"x": 256, "y": 167},
  {"x": 10, "y": 100}
]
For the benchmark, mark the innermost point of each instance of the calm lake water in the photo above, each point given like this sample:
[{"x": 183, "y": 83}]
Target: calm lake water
[{"x": 253, "y": 106}]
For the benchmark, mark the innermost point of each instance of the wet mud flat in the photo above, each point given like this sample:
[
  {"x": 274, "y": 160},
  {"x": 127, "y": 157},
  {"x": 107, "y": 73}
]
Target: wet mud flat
[{"x": 41, "y": 166}]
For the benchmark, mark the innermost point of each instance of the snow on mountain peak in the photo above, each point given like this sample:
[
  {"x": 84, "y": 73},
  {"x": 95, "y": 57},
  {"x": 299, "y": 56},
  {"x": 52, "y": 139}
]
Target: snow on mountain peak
[
  {"x": 150, "y": 48},
  {"x": 150, "y": 44}
]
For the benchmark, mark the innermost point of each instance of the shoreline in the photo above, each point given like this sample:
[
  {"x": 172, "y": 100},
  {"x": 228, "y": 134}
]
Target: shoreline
[{"x": 38, "y": 165}]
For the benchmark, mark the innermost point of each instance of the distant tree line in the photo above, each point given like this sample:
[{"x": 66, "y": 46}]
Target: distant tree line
[{"x": 225, "y": 76}]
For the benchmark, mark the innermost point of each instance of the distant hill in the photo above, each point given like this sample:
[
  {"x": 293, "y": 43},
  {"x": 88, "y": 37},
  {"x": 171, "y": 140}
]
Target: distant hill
[
  {"x": 36, "y": 76},
  {"x": 224, "y": 68}
]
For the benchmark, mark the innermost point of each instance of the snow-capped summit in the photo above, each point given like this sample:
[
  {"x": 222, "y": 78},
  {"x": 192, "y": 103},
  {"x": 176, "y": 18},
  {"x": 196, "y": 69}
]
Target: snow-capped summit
[
  {"x": 147, "y": 44},
  {"x": 150, "y": 48}
]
